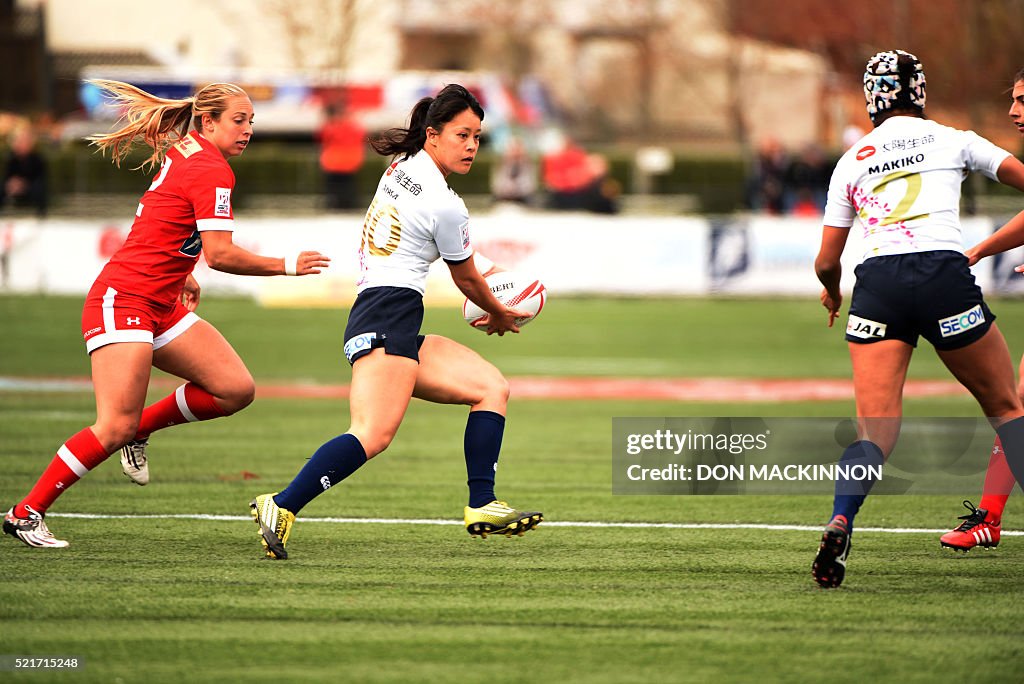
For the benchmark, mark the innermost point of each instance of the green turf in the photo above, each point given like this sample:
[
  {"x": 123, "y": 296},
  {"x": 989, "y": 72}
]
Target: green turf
[
  {"x": 192, "y": 600},
  {"x": 638, "y": 337}
]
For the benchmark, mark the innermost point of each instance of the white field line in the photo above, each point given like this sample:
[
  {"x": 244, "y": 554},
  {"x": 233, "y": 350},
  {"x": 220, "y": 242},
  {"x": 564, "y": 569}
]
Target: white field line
[{"x": 560, "y": 523}]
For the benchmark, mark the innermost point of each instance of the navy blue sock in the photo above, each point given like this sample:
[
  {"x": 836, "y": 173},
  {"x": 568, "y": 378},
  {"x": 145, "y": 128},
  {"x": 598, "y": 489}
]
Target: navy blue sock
[
  {"x": 484, "y": 430},
  {"x": 1011, "y": 434},
  {"x": 850, "y": 493},
  {"x": 333, "y": 462}
]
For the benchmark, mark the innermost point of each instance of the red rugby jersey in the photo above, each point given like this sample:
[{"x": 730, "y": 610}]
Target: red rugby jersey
[{"x": 190, "y": 194}]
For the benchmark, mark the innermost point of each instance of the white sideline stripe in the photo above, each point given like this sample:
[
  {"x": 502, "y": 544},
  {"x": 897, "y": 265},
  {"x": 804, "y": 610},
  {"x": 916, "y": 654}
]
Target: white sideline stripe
[{"x": 560, "y": 523}]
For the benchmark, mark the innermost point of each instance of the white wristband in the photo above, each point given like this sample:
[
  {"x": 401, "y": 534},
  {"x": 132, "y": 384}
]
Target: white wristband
[{"x": 291, "y": 263}]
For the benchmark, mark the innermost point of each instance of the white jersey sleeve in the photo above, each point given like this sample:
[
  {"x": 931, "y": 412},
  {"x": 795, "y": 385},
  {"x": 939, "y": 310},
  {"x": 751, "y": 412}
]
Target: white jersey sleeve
[
  {"x": 452, "y": 233},
  {"x": 839, "y": 209},
  {"x": 983, "y": 156}
]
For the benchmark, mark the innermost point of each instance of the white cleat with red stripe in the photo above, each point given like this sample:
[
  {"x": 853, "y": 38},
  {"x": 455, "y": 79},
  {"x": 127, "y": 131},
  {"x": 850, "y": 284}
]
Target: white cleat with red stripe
[
  {"x": 31, "y": 531},
  {"x": 975, "y": 530}
]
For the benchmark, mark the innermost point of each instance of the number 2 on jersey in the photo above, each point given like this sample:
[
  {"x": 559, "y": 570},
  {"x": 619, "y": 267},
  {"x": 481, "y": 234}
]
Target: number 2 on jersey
[
  {"x": 164, "y": 168},
  {"x": 381, "y": 217},
  {"x": 899, "y": 214}
]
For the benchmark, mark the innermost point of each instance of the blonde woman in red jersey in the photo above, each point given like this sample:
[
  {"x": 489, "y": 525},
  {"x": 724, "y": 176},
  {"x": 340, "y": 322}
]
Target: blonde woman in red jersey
[{"x": 140, "y": 311}]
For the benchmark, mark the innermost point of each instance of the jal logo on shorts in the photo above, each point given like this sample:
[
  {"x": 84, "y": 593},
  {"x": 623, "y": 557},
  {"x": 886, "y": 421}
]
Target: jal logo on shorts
[
  {"x": 864, "y": 329},
  {"x": 222, "y": 207},
  {"x": 358, "y": 344},
  {"x": 962, "y": 322}
]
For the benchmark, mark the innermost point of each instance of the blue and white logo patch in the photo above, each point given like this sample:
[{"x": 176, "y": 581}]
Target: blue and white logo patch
[
  {"x": 192, "y": 246},
  {"x": 358, "y": 344},
  {"x": 962, "y": 322}
]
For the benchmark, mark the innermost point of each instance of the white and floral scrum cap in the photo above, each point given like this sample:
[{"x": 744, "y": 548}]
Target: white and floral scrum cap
[{"x": 893, "y": 79}]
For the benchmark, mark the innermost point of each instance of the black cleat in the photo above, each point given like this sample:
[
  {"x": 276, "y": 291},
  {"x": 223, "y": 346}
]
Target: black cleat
[{"x": 829, "y": 566}]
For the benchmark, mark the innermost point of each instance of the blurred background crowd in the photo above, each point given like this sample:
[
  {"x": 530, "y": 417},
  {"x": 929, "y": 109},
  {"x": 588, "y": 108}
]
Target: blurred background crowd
[{"x": 664, "y": 106}]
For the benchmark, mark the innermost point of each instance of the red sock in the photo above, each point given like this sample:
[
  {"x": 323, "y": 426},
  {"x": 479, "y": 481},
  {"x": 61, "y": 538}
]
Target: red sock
[
  {"x": 187, "y": 404},
  {"x": 74, "y": 459},
  {"x": 999, "y": 483}
]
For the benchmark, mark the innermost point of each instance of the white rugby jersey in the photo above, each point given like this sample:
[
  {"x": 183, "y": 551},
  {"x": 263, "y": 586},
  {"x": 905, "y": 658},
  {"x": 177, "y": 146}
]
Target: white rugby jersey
[
  {"x": 414, "y": 219},
  {"x": 902, "y": 181}
]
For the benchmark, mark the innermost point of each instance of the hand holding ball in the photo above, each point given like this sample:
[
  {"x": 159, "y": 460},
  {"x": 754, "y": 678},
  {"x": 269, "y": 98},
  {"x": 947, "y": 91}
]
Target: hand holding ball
[{"x": 515, "y": 291}]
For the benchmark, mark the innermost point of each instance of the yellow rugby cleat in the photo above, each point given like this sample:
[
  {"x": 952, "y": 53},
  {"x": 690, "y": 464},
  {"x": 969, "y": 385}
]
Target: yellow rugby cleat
[
  {"x": 275, "y": 524},
  {"x": 498, "y": 518}
]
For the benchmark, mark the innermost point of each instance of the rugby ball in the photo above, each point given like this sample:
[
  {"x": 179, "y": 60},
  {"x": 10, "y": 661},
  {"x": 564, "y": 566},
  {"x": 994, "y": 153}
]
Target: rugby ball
[{"x": 514, "y": 290}]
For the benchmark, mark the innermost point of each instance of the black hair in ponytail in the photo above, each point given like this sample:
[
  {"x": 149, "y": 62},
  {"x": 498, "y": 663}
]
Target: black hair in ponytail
[{"x": 430, "y": 112}]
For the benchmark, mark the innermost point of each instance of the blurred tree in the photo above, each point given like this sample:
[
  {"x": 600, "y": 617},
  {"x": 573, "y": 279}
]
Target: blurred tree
[
  {"x": 606, "y": 65},
  {"x": 319, "y": 32},
  {"x": 970, "y": 48}
]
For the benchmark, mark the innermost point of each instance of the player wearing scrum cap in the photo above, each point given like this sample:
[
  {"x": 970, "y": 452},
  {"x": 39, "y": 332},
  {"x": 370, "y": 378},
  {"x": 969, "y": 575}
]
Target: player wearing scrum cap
[
  {"x": 413, "y": 220},
  {"x": 901, "y": 185}
]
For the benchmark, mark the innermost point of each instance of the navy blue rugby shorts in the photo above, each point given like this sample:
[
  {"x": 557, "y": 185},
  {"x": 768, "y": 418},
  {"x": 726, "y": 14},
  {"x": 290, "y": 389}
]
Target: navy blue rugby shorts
[
  {"x": 388, "y": 317},
  {"x": 929, "y": 294}
]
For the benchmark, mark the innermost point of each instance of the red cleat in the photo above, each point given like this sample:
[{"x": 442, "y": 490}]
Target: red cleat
[{"x": 975, "y": 530}]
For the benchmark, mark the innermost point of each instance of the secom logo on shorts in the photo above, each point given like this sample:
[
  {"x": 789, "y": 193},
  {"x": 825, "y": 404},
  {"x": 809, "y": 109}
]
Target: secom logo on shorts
[
  {"x": 358, "y": 344},
  {"x": 864, "y": 328},
  {"x": 962, "y": 322}
]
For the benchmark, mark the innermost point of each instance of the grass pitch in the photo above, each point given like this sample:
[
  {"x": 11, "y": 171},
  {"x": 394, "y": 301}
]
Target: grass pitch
[{"x": 191, "y": 599}]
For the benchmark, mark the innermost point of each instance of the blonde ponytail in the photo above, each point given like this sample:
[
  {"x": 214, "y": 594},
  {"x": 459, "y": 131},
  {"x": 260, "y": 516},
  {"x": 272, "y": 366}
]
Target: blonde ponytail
[{"x": 157, "y": 121}]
